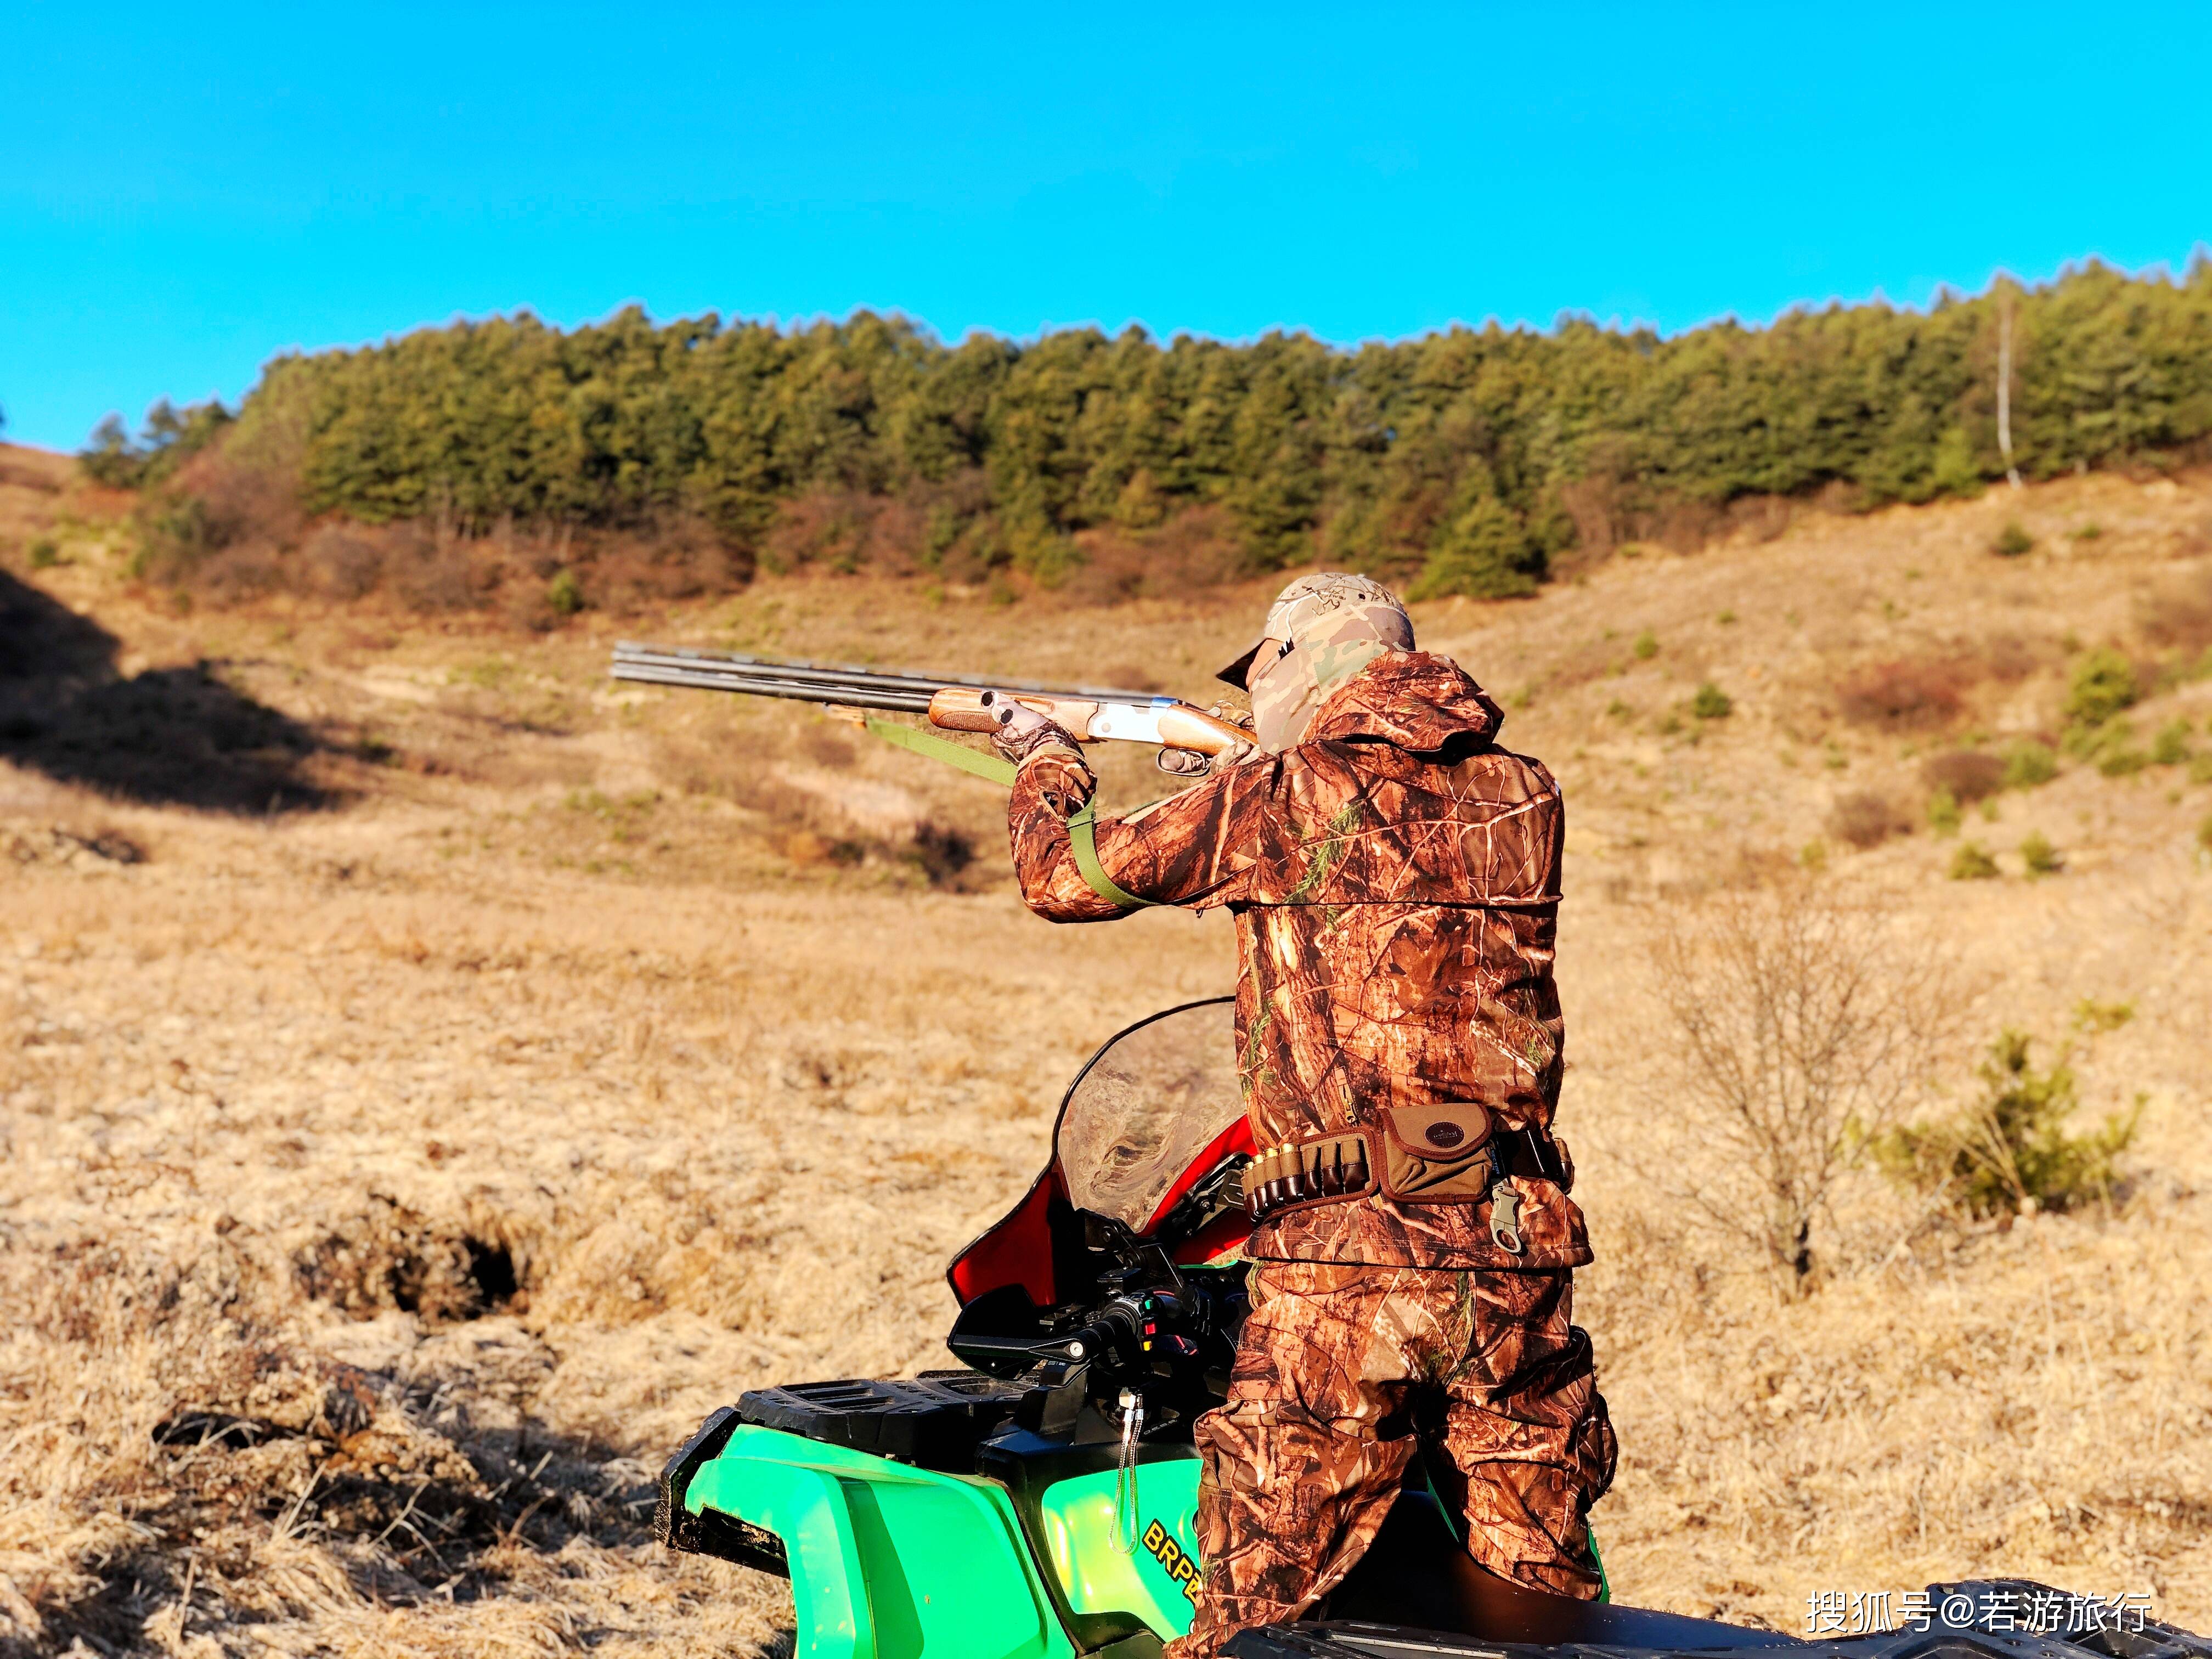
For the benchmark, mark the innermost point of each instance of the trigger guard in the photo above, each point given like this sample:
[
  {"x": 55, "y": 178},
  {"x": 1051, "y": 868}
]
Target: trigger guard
[{"x": 1181, "y": 762}]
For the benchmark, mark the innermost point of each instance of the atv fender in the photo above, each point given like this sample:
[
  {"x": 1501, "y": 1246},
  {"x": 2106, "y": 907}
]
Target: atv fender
[{"x": 887, "y": 1561}]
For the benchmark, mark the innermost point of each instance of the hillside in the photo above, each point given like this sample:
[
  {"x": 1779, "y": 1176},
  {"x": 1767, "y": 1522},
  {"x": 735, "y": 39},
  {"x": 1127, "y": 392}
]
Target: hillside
[{"x": 433, "y": 1077}]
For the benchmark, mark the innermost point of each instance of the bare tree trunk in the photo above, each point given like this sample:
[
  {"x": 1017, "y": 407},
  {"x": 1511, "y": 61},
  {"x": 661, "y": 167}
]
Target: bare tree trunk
[{"x": 2004, "y": 384}]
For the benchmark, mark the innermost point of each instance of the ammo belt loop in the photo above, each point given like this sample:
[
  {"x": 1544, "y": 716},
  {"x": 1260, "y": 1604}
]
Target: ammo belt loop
[{"x": 1320, "y": 1169}]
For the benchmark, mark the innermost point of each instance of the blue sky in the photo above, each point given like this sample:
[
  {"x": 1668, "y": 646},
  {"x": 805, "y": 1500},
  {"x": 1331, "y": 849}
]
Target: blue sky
[{"x": 185, "y": 191}]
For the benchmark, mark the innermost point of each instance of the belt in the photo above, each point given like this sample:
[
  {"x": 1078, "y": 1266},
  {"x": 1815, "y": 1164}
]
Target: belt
[{"x": 1338, "y": 1167}]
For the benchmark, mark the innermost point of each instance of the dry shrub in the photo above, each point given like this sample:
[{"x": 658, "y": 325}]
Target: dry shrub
[
  {"x": 1610, "y": 507},
  {"x": 341, "y": 562},
  {"x": 1196, "y": 549},
  {"x": 842, "y": 531},
  {"x": 431, "y": 572},
  {"x": 1864, "y": 819},
  {"x": 624, "y": 570},
  {"x": 1601, "y": 511},
  {"x": 2007, "y": 658},
  {"x": 1760, "y": 517},
  {"x": 244, "y": 501},
  {"x": 2177, "y": 614},
  {"x": 943, "y": 526},
  {"x": 238, "y": 575},
  {"x": 1799, "y": 1023},
  {"x": 1970, "y": 775},
  {"x": 1905, "y": 696}
]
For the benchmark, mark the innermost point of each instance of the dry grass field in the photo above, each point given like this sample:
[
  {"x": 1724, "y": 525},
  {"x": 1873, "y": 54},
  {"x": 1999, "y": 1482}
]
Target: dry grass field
[{"x": 431, "y": 1078}]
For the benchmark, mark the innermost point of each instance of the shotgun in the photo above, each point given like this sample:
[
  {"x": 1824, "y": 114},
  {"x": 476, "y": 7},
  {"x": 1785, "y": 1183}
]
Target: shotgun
[{"x": 1187, "y": 737}]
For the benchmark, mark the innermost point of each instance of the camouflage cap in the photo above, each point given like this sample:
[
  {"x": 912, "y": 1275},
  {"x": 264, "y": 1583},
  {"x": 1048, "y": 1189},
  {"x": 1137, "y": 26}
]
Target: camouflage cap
[{"x": 1334, "y": 607}]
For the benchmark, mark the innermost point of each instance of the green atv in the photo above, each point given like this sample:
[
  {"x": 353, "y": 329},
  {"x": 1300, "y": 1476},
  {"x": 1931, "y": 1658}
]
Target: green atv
[{"x": 1039, "y": 1504}]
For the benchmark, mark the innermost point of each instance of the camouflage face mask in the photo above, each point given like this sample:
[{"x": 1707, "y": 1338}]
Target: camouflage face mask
[
  {"x": 1285, "y": 698},
  {"x": 1335, "y": 625}
]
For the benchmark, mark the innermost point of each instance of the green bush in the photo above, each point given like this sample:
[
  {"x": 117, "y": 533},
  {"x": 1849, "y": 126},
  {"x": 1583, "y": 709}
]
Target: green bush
[
  {"x": 2011, "y": 1150},
  {"x": 2205, "y": 834},
  {"x": 1484, "y": 553},
  {"x": 2094, "y": 1016},
  {"x": 2200, "y": 769},
  {"x": 2040, "y": 857},
  {"x": 2028, "y": 763},
  {"x": 2171, "y": 746},
  {"x": 2103, "y": 685},
  {"x": 1646, "y": 645},
  {"x": 2116, "y": 758},
  {"x": 1972, "y": 862},
  {"x": 1944, "y": 817},
  {"x": 2012, "y": 541},
  {"x": 44, "y": 553},
  {"x": 564, "y": 594},
  {"x": 1711, "y": 703}
]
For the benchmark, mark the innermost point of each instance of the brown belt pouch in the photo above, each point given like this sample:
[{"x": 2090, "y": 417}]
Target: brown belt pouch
[{"x": 1439, "y": 1154}]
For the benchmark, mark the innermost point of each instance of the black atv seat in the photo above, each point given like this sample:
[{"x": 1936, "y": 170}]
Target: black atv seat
[
  {"x": 1415, "y": 1574},
  {"x": 933, "y": 1421}
]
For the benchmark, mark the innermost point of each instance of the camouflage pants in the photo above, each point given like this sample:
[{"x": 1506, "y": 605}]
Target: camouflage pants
[{"x": 1337, "y": 1366}]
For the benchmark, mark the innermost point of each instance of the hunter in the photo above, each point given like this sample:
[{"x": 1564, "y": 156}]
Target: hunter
[{"x": 1395, "y": 876}]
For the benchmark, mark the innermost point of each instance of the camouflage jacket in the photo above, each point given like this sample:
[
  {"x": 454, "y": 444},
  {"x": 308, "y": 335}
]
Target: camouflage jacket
[{"x": 1394, "y": 880}]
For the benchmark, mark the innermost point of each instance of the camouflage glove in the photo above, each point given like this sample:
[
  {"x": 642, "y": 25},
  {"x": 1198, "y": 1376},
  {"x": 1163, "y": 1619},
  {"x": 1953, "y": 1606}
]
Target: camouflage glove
[
  {"x": 1026, "y": 733},
  {"x": 1241, "y": 718},
  {"x": 1034, "y": 743},
  {"x": 1063, "y": 779}
]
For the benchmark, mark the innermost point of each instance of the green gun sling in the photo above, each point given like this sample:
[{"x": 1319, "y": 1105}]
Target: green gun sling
[
  {"x": 1083, "y": 842},
  {"x": 1082, "y": 836}
]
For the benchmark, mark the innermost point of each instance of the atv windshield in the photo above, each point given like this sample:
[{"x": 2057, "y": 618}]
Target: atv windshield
[{"x": 1145, "y": 1108}]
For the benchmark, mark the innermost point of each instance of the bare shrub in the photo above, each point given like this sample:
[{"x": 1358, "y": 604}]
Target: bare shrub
[
  {"x": 1196, "y": 549},
  {"x": 1970, "y": 775},
  {"x": 825, "y": 528},
  {"x": 238, "y": 574},
  {"x": 1866, "y": 819},
  {"x": 2177, "y": 614},
  {"x": 2008, "y": 658},
  {"x": 1615, "y": 503},
  {"x": 1905, "y": 696},
  {"x": 1800, "y": 1023},
  {"x": 678, "y": 555},
  {"x": 243, "y": 501},
  {"x": 429, "y": 572},
  {"x": 341, "y": 562},
  {"x": 1760, "y": 517},
  {"x": 220, "y": 526}
]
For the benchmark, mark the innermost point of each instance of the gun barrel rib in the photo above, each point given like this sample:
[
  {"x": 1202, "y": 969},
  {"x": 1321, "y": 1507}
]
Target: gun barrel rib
[{"x": 826, "y": 683}]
